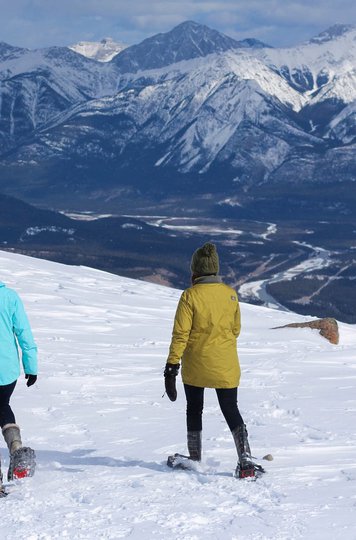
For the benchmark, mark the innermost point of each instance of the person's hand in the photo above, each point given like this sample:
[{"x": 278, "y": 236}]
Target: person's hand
[
  {"x": 170, "y": 374},
  {"x": 31, "y": 379}
]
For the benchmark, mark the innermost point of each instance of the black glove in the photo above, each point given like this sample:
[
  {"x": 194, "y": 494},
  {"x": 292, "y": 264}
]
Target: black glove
[
  {"x": 170, "y": 374},
  {"x": 31, "y": 379}
]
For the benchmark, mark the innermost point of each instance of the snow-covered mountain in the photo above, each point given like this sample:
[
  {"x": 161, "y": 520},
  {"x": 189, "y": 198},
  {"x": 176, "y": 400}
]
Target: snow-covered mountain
[
  {"x": 103, "y": 51},
  {"x": 35, "y": 86},
  {"x": 8, "y": 51},
  {"x": 188, "y": 104},
  {"x": 335, "y": 31},
  {"x": 232, "y": 89},
  {"x": 318, "y": 62},
  {"x": 186, "y": 41},
  {"x": 102, "y": 431}
]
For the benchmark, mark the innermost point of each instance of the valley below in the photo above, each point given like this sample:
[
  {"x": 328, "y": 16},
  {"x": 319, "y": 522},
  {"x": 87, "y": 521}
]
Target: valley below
[
  {"x": 303, "y": 266},
  {"x": 308, "y": 268}
]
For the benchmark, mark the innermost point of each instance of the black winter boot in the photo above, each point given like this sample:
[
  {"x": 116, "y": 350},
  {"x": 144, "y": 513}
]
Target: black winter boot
[
  {"x": 194, "y": 445},
  {"x": 246, "y": 467},
  {"x": 180, "y": 461}
]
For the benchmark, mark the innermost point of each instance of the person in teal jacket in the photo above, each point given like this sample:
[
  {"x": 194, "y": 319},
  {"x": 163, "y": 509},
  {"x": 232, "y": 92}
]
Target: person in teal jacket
[{"x": 15, "y": 333}]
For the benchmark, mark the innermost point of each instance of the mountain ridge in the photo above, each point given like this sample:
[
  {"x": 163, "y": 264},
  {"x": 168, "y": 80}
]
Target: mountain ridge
[{"x": 254, "y": 113}]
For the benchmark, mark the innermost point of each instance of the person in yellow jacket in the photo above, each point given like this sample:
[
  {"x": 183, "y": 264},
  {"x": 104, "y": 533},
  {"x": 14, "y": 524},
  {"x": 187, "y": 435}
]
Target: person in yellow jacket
[{"x": 206, "y": 327}]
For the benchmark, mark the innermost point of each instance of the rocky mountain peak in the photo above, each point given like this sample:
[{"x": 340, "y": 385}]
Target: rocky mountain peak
[
  {"x": 335, "y": 31},
  {"x": 9, "y": 51},
  {"x": 186, "y": 41},
  {"x": 103, "y": 50}
]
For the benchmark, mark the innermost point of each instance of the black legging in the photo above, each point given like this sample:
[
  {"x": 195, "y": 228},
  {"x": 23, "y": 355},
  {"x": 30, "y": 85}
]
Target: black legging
[
  {"x": 6, "y": 414},
  {"x": 228, "y": 404}
]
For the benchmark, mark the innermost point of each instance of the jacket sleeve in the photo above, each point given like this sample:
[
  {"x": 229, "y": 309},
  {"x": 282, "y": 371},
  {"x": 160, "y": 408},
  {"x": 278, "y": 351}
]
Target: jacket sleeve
[
  {"x": 237, "y": 320},
  {"x": 23, "y": 333},
  {"x": 181, "y": 329}
]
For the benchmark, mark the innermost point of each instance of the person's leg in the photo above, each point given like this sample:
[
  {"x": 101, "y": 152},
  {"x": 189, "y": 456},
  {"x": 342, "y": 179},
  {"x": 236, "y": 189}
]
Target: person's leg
[
  {"x": 22, "y": 459},
  {"x": 228, "y": 403},
  {"x": 10, "y": 429},
  {"x": 195, "y": 405},
  {"x": 6, "y": 414}
]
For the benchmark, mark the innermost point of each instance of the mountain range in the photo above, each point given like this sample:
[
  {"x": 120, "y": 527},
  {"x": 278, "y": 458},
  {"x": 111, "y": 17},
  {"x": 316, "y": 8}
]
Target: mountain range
[{"x": 189, "y": 110}]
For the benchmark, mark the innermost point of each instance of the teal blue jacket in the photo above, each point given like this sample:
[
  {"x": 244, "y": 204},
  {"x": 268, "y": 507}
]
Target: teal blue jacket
[{"x": 15, "y": 330}]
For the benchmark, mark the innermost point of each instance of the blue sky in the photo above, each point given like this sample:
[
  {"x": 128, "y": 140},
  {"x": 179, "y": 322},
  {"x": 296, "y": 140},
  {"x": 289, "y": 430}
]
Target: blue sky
[{"x": 40, "y": 23}]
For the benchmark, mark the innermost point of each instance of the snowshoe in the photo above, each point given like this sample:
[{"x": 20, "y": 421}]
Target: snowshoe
[
  {"x": 22, "y": 463},
  {"x": 179, "y": 461},
  {"x": 249, "y": 470},
  {"x": 3, "y": 492}
]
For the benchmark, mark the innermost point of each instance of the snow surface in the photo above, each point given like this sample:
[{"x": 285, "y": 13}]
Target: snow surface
[{"x": 102, "y": 430}]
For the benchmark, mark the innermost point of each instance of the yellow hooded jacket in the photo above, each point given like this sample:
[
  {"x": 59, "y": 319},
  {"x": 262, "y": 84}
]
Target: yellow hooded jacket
[{"x": 206, "y": 326}]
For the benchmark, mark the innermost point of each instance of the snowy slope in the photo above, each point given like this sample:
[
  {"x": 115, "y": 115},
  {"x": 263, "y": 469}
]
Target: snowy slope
[
  {"x": 326, "y": 62},
  {"x": 73, "y": 73},
  {"x": 343, "y": 125},
  {"x": 102, "y": 430},
  {"x": 103, "y": 51}
]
